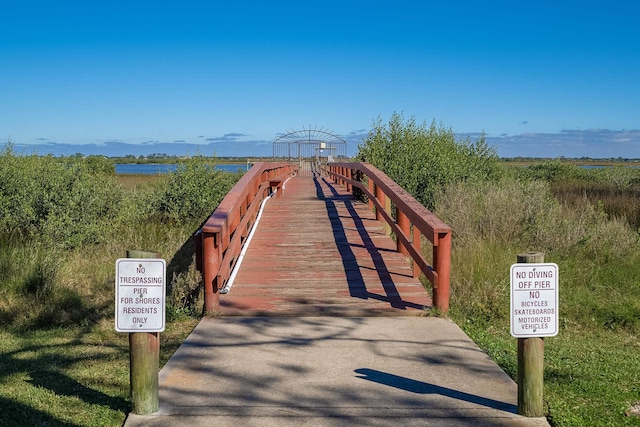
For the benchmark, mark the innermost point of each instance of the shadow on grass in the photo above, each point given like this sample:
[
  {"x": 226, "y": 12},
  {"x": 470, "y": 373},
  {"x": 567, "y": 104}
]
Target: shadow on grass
[
  {"x": 45, "y": 368},
  {"x": 15, "y": 413}
]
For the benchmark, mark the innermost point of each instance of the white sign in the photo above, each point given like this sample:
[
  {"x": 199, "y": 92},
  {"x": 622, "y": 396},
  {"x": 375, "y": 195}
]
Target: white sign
[
  {"x": 140, "y": 294},
  {"x": 534, "y": 300}
]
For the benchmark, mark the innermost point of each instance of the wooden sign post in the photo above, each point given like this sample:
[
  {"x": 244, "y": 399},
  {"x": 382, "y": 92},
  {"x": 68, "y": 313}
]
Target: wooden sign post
[
  {"x": 140, "y": 310},
  {"x": 534, "y": 315}
]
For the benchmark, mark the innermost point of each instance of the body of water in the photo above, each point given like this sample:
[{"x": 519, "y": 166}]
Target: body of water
[
  {"x": 160, "y": 168},
  {"x": 607, "y": 166}
]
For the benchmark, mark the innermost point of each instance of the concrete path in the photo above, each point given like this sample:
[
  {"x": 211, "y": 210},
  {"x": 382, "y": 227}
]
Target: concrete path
[{"x": 329, "y": 371}]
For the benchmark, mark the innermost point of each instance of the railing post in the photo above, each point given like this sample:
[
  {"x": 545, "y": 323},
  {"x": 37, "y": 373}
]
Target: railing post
[
  {"x": 211, "y": 266},
  {"x": 256, "y": 187},
  {"x": 349, "y": 174},
  {"x": 405, "y": 225},
  {"x": 442, "y": 264},
  {"x": 380, "y": 197},
  {"x": 387, "y": 208},
  {"x": 417, "y": 245},
  {"x": 372, "y": 189}
]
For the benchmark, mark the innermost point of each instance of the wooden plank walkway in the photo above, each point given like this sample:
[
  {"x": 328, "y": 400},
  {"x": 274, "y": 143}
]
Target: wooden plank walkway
[{"x": 317, "y": 252}]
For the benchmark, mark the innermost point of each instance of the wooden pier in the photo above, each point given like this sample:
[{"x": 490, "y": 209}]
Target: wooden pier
[{"x": 317, "y": 251}]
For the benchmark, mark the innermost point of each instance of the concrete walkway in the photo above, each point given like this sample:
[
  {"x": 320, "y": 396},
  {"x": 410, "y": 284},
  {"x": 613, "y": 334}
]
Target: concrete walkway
[{"x": 329, "y": 371}]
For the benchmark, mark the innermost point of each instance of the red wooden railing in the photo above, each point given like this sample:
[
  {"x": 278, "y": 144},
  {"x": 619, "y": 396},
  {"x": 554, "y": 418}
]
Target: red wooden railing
[
  {"x": 412, "y": 220},
  {"x": 219, "y": 240}
]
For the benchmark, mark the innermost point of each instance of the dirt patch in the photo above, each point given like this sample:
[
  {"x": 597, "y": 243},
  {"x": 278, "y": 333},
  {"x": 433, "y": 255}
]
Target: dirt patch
[{"x": 634, "y": 410}]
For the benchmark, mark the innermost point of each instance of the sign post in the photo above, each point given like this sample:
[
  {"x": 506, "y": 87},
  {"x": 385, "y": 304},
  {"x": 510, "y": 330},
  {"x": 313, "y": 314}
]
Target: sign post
[
  {"x": 534, "y": 315},
  {"x": 140, "y": 310}
]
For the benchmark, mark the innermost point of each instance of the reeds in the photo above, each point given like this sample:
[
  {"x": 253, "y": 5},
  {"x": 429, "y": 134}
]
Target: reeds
[{"x": 588, "y": 228}]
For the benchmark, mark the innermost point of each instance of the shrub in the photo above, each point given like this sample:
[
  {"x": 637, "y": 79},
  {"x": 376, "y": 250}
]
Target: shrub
[
  {"x": 193, "y": 191},
  {"x": 55, "y": 211},
  {"x": 555, "y": 170},
  {"x": 618, "y": 177},
  {"x": 422, "y": 158},
  {"x": 58, "y": 201}
]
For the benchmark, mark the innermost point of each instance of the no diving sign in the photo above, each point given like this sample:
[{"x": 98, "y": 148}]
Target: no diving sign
[
  {"x": 140, "y": 294},
  {"x": 534, "y": 300}
]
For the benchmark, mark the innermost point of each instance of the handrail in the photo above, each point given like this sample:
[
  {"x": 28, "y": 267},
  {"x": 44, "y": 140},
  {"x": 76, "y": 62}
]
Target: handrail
[
  {"x": 412, "y": 220},
  {"x": 219, "y": 240}
]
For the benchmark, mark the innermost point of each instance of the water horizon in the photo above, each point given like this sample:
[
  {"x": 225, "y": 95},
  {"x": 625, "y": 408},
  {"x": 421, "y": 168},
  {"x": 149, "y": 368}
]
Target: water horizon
[{"x": 163, "y": 168}]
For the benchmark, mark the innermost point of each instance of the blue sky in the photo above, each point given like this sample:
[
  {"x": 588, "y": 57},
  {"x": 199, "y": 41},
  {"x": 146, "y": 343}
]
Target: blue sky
[{"x": 539, "y": 78}]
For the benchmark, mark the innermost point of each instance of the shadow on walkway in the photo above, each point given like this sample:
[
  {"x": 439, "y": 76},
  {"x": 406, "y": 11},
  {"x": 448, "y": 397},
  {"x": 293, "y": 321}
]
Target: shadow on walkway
[{"x": 356, "y": 282}]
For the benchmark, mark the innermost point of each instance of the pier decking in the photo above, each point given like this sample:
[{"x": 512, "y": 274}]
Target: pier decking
[{"x": 317, "y": 251}]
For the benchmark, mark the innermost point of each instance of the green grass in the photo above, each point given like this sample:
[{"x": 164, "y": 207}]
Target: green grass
[
  {"x": 592, "y": 368},
  {"x": 71, "y": 376},
  {"x": 62, "y": 363},
  {"x": 591, "y": 376}
]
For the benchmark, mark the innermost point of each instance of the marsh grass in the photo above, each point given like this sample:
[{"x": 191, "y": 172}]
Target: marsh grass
[
  {"x": 136, "y": 182},
  {"x": 618, "y": 201},
  {"x": 591, "y": 367}
]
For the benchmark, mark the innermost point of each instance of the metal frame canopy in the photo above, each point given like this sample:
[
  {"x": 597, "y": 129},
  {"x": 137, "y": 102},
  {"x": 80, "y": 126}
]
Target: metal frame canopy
[{"x": 318, "y": 144}]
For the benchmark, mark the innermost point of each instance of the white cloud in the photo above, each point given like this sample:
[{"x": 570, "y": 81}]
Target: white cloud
[{"x": 595, "y": 143}]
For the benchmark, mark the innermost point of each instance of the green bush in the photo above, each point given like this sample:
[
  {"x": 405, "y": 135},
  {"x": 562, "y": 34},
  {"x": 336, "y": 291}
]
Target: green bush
[
  {"x": 57, "y": 201},
  {"x": 618, "y": 177},
  {"x": 193, "y": 191},
  {"x": 555, "y": 170},
  {"x": 422, "y": 158},
  {"x": 100, "y": 164},
  {"x": 61, "y": 218}
]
